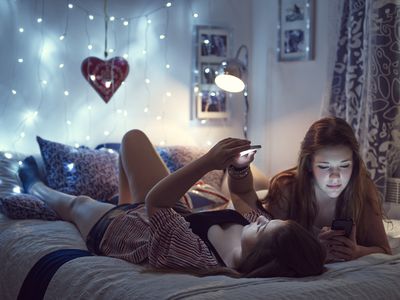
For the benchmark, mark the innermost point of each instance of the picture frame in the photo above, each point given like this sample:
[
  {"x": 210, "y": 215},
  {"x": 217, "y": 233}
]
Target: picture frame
[
  {"x": 212, "y": 45},
  {"x": 296, "y": 30}
]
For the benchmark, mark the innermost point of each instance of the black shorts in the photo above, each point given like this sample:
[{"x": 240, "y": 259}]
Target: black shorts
[{"x": 96, "y": 234}]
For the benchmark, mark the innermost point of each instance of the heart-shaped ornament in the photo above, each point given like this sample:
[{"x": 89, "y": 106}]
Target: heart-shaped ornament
[{"x": 105, "y": 76}]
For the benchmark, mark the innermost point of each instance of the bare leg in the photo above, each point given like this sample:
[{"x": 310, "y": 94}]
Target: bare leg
[
  {"x": 83, "y": 211},
  {"x": 140, "y": 167}
]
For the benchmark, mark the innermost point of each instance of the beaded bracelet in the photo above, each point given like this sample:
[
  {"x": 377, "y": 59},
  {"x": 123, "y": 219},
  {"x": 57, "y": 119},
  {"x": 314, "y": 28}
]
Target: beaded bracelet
[{"x": 238, "y": 173}]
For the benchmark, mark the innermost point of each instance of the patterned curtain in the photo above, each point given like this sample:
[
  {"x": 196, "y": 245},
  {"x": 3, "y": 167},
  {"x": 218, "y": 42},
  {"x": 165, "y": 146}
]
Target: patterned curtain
[{"x": 365, "y": 88}]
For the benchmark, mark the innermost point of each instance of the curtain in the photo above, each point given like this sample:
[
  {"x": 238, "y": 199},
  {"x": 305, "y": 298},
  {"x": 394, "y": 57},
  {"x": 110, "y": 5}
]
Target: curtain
[{"x": 365, "y": 88}]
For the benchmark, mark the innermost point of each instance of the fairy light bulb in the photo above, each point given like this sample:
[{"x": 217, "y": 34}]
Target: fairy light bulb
[
  {"x": 89, "y": 107},
  {"x": 20, "y": 60},
  {"x": 16, "y": 189},
  {"x": 144, "y": 51},
  {"x": 111, "y": 50},
  {"x": 125, "y": 55},
  {"x": 147, "y": 80},
  {"x": 70, "y": 6},
  {"x": 203, "y": 122},
  {"x": 8, "y": 155},
  {"x": 106, "y": 133},
  {"x": 126, "y": 23},
  {"x": 87, "y": 138},
  {"x": 39, "y": 20},
  {"x": 44, "y": 82},
  {"x": 169, "y": 4},
  {"x": 168, "y": 94},
  {"x": 90, "y": 46},
  {"x": 68, "y": 122},
  {"x": 70, "y": 166},
  {"x": 112, "y": 18},
  {"x": 148, "y": 21},
  {"x": 21, "y": 29},
  {"x": 209, "y": 143},
  {"x": 61, "y": 66},
  {"x": 22, "y": 135},
  {"x": 146, "y": 109},
  {"x": 195, "y": 15},
  {"x": 14, "y": 92},
  {"x": 167, "y": 66},
  {"x": 91, "y": 17},
  {"x": 66, "y": 93},
  {"x": 162, "y": 36},
  {"x": 162, "y": 143},
  {"x": 158, "y": 118},
  {"x": 92, "y": 77},
  {"x": 107, "y": 84}
]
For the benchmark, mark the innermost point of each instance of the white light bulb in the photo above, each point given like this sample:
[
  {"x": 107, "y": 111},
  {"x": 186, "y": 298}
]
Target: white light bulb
[
  {"x": 106, "y": 133},
  {"x": 90, "y": 46},
  {"x": 112, "y": 18},
  {"x": 87, "y": 137},
  {"x": 144, "y": 51},
  {"x": 20, "y": 60},
  {"x": 8, "y": 155},
  {"x": 203, "y": 122},
  {"x": 119, "y": 111},
  {"x": 20, "y": 163},
  {"x": 92, "y": 77},
  {"x": 148, "y": 21},
  {"x": 44, "y": 82},
  {"x": 147, "y": 80},
  {"x": 168, "y": 94},
  {"x": 76, "y": 145},
  {"x": 22, "y": 134},
  {"x": 17, "y": 189},
  {"x": 169, "y": 4},
  {"x": 61, "y": 66},
  {"x": 91, "y": 17},
  {"x": 66, "y": 93},
  {"x": 206, "y": 42},
  {"x": 62, "y": 37},
  {"x": 14, "y": 92},
  {"x": 126, "y": 23},
  {"x": 146, "y": 109},
  {"x": 70, "y": 6},
  {"x": 158, "y": 118},
  {"x": 162, "y": 143},
  {"x": 162, "y": 36},
  {"x": 111, "y": 50},
  {"x": 69, "y": 122},
  {"x": 125, "y": 113},
  {"x": 209, "y": 143},
  {"x": 107, "y": 84},
  {"x": 195, "y": 15},
  {"x": 89, "y": 107},
  {"x": 21, "y": 29},
  {"x": 125, "y": 56},
  {"x": 167, "y": 66},
  {"x": 39, "y": 20},
  {"x": 70, "y": 166}
]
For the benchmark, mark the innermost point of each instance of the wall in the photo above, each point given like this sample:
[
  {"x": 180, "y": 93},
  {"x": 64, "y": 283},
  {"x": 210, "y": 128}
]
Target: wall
[{"x": 285, "y": 96}]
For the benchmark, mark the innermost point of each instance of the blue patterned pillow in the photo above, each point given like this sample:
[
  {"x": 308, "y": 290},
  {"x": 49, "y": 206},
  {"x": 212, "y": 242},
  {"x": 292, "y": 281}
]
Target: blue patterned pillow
[
  {"x": 25, "y": 206},
  {"x": 80, "y": 171}
]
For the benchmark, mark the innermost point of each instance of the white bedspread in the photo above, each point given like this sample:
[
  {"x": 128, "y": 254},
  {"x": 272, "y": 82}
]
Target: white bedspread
[{"x": 24, "y": 242}]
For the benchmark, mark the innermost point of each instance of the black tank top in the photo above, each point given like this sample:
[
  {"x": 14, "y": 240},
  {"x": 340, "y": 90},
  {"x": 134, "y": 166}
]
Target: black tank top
[{"x": 201, "y": 222}]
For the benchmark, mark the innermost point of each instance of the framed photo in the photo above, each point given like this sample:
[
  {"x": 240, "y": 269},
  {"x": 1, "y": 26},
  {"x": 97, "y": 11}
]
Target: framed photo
[
  {"x": 212, "y": 45},
  {"x": 296, "y": 30}
]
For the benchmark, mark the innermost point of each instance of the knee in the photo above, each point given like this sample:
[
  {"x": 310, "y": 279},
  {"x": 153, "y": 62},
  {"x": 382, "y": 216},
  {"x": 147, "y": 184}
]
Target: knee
[{"x": 133, "y": 135}]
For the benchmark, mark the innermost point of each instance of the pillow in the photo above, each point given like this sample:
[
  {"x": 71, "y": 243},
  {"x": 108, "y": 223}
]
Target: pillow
[
  {"x": 26, "y": 206},
  {"x": 204, "y": 197},
  {"x": 182, "y": 155},
  {"x": 80, "y": 171}
]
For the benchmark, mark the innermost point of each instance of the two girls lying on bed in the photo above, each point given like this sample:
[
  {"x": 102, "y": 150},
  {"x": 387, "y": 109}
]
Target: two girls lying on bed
[{"x": 145, "y": 227}]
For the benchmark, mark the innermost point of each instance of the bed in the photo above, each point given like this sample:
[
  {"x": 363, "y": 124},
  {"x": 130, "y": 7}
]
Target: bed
[{"x": 25, "y": 241}]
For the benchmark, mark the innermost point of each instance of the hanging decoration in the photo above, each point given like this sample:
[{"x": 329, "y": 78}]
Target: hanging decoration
[{"x": 105, "y": 76}]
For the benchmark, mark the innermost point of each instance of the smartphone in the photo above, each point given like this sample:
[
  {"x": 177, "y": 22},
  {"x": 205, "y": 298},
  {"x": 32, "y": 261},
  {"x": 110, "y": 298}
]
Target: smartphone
[
  {"x": 343, "y": 224},
  {"x": 252, "y": 147}
]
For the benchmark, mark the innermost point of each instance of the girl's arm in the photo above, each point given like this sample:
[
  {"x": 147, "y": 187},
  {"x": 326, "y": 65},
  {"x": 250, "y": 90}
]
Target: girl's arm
[
  {"x": 170, "y": 189},
  {"x": 241, "y": 184}
]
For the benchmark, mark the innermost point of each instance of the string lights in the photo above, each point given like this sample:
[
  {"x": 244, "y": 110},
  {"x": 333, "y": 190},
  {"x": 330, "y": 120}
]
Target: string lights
[{"x": 62, "y": 40}]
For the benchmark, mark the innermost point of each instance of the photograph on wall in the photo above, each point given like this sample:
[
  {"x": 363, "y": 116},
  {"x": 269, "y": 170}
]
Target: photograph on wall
[
  {"x": 211, "y": 47},
  {"x": 295, "y": 30}
]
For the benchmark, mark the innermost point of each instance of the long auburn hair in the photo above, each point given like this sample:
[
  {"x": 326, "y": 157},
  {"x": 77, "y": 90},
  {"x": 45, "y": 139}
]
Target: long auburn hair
[
  {"x": 290, "y": 251},
  {"x": 298, "y": 182}
]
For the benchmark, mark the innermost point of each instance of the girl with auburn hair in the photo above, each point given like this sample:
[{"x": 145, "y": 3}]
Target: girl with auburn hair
[
  {"x": 331, "y": 182},
  {"x": 146, "y": 226}
]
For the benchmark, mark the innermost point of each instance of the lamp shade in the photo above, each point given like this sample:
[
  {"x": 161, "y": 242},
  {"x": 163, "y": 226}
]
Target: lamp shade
[{"x": 231, "y": 76}]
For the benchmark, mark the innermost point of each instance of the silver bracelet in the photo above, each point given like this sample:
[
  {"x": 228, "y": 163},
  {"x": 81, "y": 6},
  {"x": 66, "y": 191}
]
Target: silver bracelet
[{"x": 238, "y": 173}]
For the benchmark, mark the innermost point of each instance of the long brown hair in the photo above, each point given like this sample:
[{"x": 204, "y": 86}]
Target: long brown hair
[
  {"x": 290, "y": 251},
  {"x": 361, "y": 190}
]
